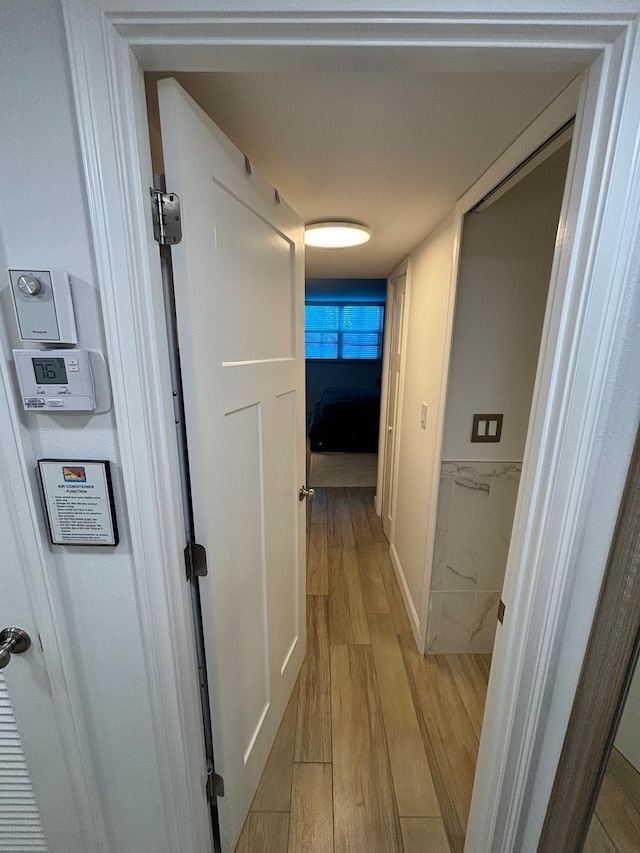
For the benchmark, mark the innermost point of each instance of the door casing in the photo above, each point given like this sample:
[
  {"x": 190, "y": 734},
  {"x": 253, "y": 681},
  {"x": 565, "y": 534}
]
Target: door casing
[
  {"x": 576, "y": 403},
  {"x": 391, "y": 408}
]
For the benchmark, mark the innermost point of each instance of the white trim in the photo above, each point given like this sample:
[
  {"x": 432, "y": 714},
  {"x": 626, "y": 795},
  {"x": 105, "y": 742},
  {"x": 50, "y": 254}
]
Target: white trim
[
  {"x": 395, "y": 462},
  {"x": 412, "y": 613},
  {"x": 533, "y": 161},
  {"x": 378, "y": 499},
  {"x": 134, "y": 331},
  {"x": 557, "y": 114},
  {"x": 403, "y": 269},
  {"x": 115, "y": 146},
  {"x": 560, "y": 442}
]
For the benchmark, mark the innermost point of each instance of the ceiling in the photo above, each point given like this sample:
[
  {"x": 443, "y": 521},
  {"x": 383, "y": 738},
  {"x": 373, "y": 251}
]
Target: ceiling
[{"x": 394, "y": 149}]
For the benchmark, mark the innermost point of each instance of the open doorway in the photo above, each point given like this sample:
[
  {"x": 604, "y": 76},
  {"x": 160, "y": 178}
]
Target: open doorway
[
  {"x": 344, "y": 323},
  {"x": 506, "y": 258},
  {"x": 351, "y": 556},
  {"x": 570, "y": 428}
]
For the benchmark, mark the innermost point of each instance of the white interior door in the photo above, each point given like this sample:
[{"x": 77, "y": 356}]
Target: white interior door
[
  {"x": 38, "y": 812},
  {"x": 238, "y": 276},
  {"x": 395, "y": 365}
]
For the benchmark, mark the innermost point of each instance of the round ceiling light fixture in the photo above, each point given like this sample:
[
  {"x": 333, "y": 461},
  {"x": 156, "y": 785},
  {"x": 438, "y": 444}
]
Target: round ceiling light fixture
[{"x": 336, "y": 235}]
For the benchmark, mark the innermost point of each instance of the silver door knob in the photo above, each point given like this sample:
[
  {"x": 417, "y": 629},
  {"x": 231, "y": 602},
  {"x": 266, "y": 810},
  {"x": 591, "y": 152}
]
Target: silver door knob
[
  {"x": 306, "y": 493},
  {"x": 12, "y": 641}
]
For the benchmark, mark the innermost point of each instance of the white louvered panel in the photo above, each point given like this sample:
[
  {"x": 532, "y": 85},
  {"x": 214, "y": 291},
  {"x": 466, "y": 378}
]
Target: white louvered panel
[{"x": 20, "y": 826}]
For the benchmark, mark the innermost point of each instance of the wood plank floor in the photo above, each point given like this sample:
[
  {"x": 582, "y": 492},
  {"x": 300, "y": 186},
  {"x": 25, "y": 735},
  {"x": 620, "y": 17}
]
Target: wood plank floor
[
  {"x": 377, "y": 749},
  {"x": 615, "y": 827}
]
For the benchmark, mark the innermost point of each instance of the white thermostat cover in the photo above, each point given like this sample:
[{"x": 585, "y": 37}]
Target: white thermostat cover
[{"x": 43, "y": 306}]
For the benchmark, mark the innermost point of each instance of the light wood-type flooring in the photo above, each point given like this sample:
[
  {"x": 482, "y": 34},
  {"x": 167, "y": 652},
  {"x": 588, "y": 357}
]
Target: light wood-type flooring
[
  {"x": 615, "y": 827},
  {"x": 377, "y": 749}
]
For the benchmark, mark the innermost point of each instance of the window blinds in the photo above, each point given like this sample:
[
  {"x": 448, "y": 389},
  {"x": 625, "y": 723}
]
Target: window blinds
[{"x": 343, "y": 331}]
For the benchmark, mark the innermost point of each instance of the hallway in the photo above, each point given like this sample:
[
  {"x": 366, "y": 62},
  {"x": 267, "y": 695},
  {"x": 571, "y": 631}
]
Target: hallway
[{"x": 378, "y": 746}]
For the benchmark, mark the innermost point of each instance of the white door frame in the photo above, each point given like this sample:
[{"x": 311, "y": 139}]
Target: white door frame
[
  {"x": 522, "y": 739},
  {"x": 383, "y": 445}
]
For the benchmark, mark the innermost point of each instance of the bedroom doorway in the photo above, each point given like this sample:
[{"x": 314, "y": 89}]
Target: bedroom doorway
[{"x": 344, "y": 327}]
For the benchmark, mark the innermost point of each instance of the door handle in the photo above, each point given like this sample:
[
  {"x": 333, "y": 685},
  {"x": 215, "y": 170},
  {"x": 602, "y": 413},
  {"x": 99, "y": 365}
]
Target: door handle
[
  {"x": 306, "y": 493},
  {"x": 12, "y": 641}
]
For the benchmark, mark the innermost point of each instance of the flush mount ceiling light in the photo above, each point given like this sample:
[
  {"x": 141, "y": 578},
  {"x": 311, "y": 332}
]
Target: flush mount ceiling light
[{"x": 336, "y": 235}]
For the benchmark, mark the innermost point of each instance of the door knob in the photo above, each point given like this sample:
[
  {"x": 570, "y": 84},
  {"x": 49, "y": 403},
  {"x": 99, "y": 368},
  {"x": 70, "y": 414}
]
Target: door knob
[
  {"x": 12, "y": 641},
  {"x": 306, "y": 493}
]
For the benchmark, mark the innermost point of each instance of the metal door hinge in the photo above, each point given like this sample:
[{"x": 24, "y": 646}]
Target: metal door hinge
[
  {"x": 215, "y": 786},
  {"x": 167, "y": 220},
  {"x": 195, "y": 560},
  {"x": 501, "y": 609}
]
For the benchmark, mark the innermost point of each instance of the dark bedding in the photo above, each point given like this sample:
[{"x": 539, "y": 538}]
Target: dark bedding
[{"x": 346, "y": 420}]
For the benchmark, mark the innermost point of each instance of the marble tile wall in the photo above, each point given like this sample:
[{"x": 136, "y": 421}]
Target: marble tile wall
[{"x": 476, "y": 506}]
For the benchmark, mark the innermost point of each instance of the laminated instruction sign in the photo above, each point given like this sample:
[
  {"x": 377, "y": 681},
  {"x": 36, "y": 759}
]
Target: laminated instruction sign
[{"x": 78, "y": 500}]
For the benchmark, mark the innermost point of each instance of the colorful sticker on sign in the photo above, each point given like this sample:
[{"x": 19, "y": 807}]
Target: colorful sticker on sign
[{"x": 74, "y": 475}]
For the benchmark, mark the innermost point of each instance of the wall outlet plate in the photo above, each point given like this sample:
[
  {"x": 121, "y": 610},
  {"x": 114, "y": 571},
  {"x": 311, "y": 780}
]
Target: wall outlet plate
[{"x": 486, "y": 428}]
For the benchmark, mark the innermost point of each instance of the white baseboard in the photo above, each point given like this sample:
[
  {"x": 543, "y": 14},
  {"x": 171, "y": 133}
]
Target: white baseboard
[{"x": 412, "y": 613}]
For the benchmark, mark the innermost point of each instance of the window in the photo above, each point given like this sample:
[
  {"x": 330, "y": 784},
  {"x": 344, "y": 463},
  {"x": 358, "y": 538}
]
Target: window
[{"x": 343, "y": 331}]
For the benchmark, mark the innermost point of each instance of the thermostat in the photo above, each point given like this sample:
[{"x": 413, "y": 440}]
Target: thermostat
[
  {"x": 44, "y": 310},
  {"x": 54, "y": 381}
]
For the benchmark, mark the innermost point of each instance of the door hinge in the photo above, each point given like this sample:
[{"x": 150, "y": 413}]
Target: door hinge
[
  {"x": 215, "y": 786},
  {"x": 501, "y": 609},
  {"x": 195, "y": 560},
  {"x": 167, "y": 220}
]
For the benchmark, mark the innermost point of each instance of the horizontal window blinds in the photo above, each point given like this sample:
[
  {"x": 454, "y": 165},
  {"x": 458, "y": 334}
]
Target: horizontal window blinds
[
  {"x": 20, "y": 827},
  {"x": 343, "y": 331}
]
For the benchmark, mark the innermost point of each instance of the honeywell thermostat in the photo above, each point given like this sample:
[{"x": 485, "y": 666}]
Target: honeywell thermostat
[
  {"x": 61, "y": 380},
  {"x": 44, "y": 308}
]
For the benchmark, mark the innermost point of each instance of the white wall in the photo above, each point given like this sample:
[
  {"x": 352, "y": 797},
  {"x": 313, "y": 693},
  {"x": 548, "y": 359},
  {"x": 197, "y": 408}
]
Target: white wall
[
  {"x": 418, "y": 460},
  {"x": 500, "y": 305},
  {"x": 505, "y": 264},
  {"x": 44, "y": 223}
]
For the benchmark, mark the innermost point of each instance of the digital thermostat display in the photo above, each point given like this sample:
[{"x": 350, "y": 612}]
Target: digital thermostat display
[
  {"x": 50, "y": 371},
  {"x": 56, "y": 383}
]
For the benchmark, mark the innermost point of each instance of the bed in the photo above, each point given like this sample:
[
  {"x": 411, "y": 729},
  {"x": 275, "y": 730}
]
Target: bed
[{"x": 346, "y": 420}]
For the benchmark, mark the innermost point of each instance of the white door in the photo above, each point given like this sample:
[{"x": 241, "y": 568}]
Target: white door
[
  {"x": 396, "y": 350},
  {"x": 37, "y": 805},
  {"x": 238, "y": 276}
]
